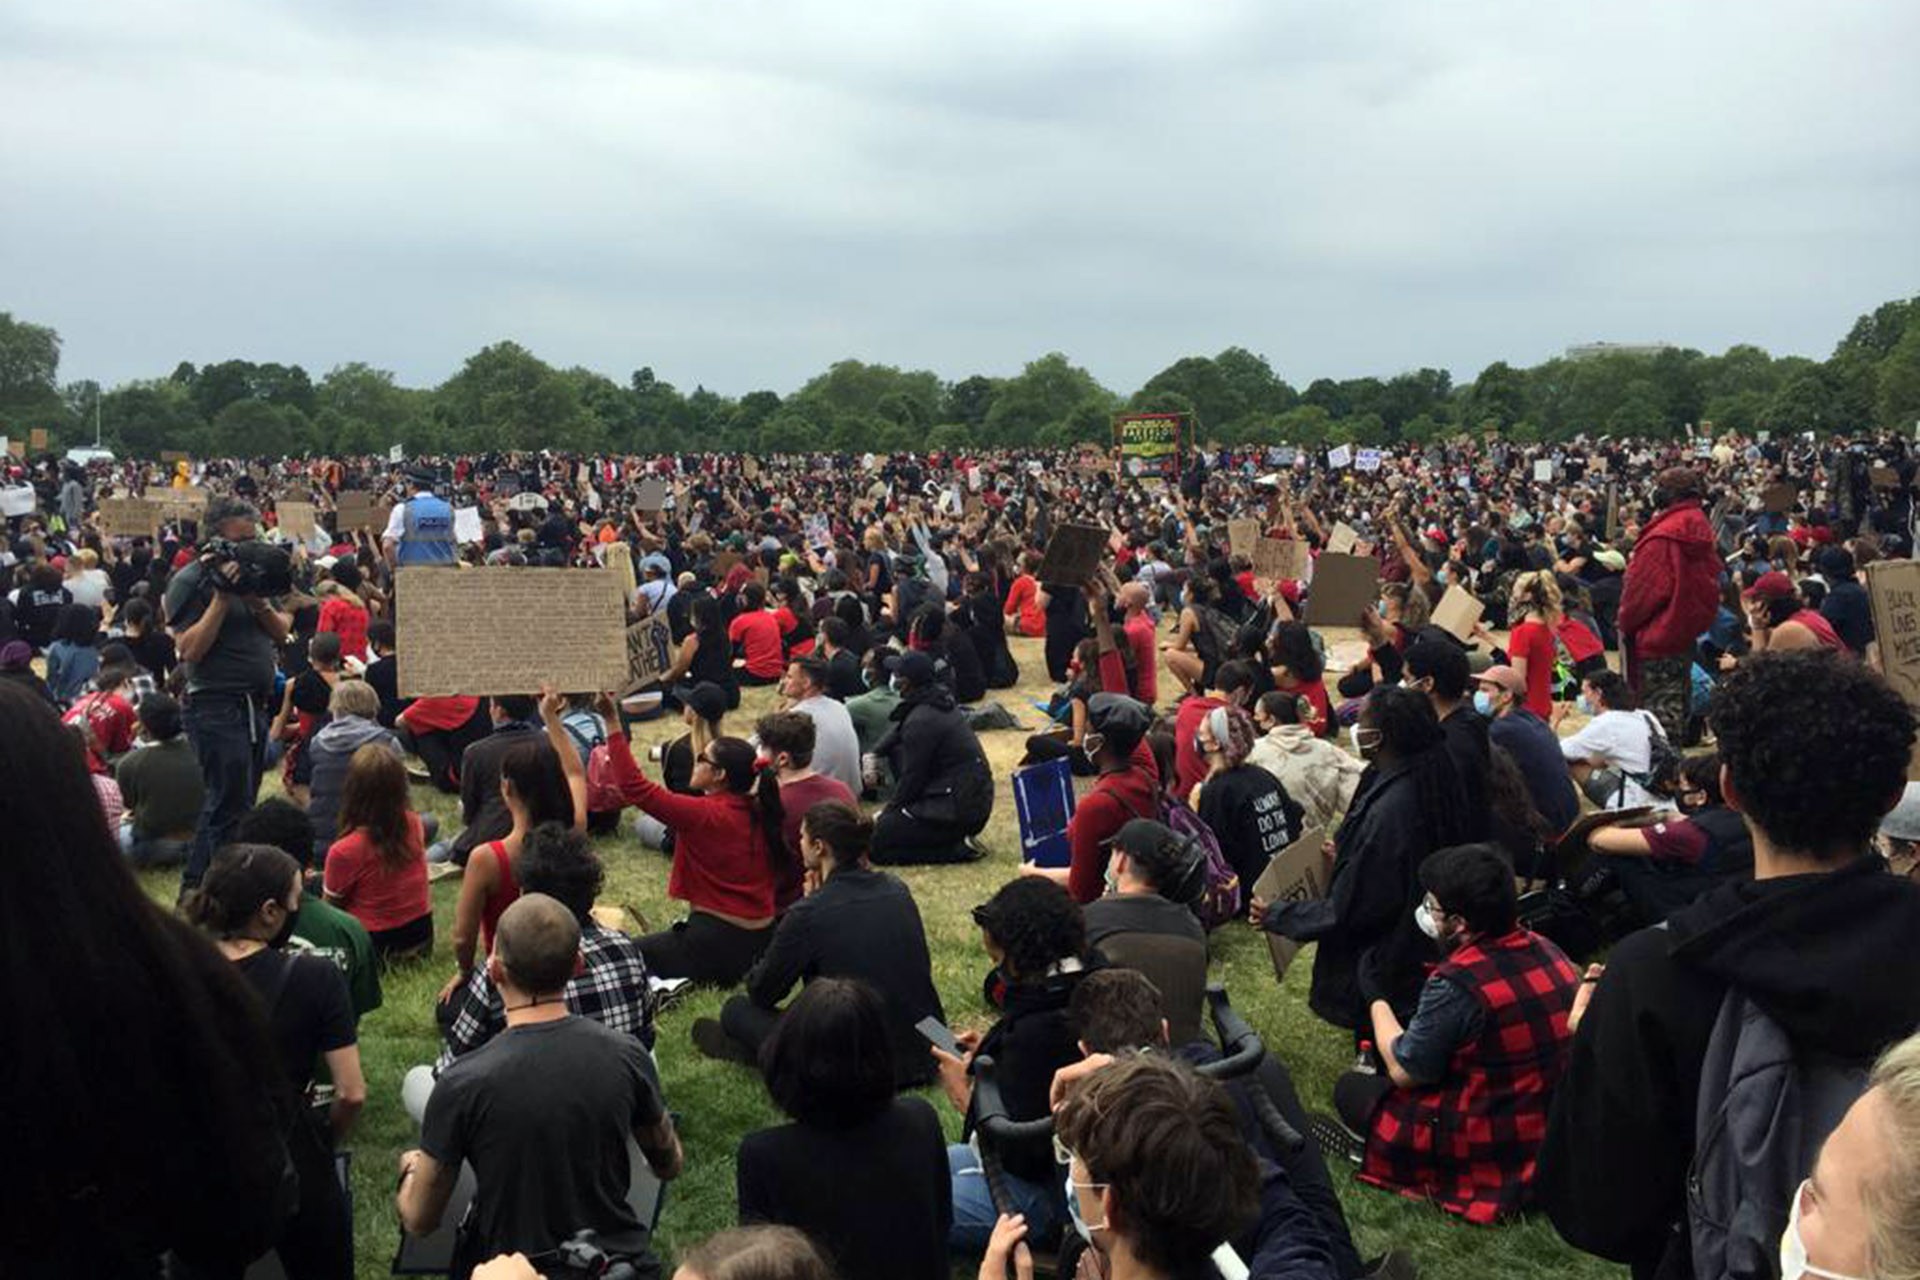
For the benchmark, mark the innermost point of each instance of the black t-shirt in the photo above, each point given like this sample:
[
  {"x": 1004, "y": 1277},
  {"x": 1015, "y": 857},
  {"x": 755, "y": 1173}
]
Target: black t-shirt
[
  {"x": 154, "y": 652},
  {"x": 312, "y": 1013},
  {"x": 242, "y": 657},
  {"x": 1251, "y": 815},
  {"x": 877, "y": 1197},
  {"x": 543, "y": 1113}
]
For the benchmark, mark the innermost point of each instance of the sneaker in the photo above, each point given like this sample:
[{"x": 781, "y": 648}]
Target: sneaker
[
  {"x": 1335, "y": 1140},
  {"x": 975, "y": 848},
  {"x": 715, "y": 1043}
]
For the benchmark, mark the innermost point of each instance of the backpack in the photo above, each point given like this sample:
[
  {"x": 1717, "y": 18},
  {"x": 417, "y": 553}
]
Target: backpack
[
  {"x": 603, "y": 793},
  {"x": 1663, "y": 760},
  {"x": 1218, "y": 898},
  {"x": 1214, "y": 636},
  {"x": 1764, "y": 1109}
]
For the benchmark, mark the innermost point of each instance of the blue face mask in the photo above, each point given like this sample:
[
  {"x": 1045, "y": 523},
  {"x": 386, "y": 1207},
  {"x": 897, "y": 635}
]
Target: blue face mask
[
  {"x": 1585, "y": 707},
  {"x": 1483, "y": 703},
  {"x": 1080, "y": 1224}
]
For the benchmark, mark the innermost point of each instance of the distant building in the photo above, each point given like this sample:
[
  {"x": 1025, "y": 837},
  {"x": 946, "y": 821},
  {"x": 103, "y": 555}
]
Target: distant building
[{"x": 1588, "y": 350}]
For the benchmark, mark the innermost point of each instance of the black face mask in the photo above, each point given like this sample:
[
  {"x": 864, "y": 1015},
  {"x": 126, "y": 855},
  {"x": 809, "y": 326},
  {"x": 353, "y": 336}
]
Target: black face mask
[{"x": 284, "y": 933}]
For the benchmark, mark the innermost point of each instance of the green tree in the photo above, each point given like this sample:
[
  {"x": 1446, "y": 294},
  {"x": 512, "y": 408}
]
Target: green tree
[
  {"x": 145, "y": 419},
  {"x": 250, "y": 428},
  {"x": 1043, "y": 393},
  {"x": 1498, "y": 398},
  {"x": 1217, "y": 405},
  {"x": 788, "y": 432},
  {"x": 1898, "y": 394},
  {"x": 505, "y": 397},
  {"x": 969, "y": 400},
  {"x": 1638, "y": 412},
  {"x": 29, "y": 372},
  {"x": 1804, "y": 403}
]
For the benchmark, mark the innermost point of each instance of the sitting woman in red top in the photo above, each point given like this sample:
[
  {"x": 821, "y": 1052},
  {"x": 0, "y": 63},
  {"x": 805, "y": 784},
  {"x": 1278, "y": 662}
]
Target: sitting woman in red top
[
  {"x": 756, "y": 632},
  {"x": 539, "y": 782},
  {"x": 727, "y": 846},
  {"x": 377, "y": 870},
  {"x": 1458, "y": 1115}
]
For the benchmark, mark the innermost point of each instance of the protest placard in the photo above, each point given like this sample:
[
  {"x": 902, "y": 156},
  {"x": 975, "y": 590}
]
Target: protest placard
[
  {"x": 1882, "y": 477},
  {"x": 467, "y": 526},
  {"x": 1893, "y": 591},
  {"x": 1458, "y": 613},
  {"x": 819, "y": 531},
  {"x": 501, "y": 629},
  {"x": 1073, "y": 553},
  {"x": 37, "y": 439},
  {"x": 1242, "y": 534},
  {"x": 1339, "y": 457},
  {"x": 296, "y": 519},
  {"x": 1043, "y": 801},
  {"x": 128, "y": 518},
  {"x": 1543, "y": 470},
  {"x": 1778, "y": 497},
  {"x": 179, "y": 504},
  {"x": 1280, "y": 560},
  {"x": 649, "y": 652},
  {"x": 356, "y": 509},
  {"x": 1343, "y": 589},
  {"x": 1295, "y": 874},
  {"x": 1367, "y": 460},
  {"x": 17, "y": 501},
  {"x": 653, "y": 494},
  {"x": 1341, "y": 540}
]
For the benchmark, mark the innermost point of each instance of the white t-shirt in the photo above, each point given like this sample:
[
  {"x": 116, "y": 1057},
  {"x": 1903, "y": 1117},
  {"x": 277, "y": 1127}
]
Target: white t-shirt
[
  {"x": 836, "y": 743},
  {"x": 1622, "y": 740}
]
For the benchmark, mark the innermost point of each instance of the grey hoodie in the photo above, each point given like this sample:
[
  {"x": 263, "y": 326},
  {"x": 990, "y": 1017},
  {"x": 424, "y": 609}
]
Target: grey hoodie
[{"x": 331, "y": 750}]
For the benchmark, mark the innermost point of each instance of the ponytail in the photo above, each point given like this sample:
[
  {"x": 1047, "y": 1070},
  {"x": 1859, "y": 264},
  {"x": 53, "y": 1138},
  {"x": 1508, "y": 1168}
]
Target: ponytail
[
  {"x": 749, "y": 775},
  {"x": 238, "y": 880}
]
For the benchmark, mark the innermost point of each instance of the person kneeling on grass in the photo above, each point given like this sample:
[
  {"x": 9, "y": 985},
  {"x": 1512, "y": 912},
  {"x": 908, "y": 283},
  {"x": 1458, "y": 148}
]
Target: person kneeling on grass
[
  {"x": 1461, "y": 1110},
  {"x": 943, "y": 787},
  {"x": 543, "y": 1111}
]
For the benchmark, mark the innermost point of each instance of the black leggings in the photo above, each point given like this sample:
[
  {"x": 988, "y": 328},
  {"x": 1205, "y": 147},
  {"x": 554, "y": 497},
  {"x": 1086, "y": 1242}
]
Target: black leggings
[
  {"x": 706, "y": 949},
  {"x": 903, "y": 839},
  {"x": 1357, "y": 1095},
  {"x": 411, "y": 938},
  {"x": 1052, "y": 746}
]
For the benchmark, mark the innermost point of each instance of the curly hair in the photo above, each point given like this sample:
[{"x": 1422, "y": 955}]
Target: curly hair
[
  {"x": 1815, "y": 749},
  {"x": 562, "y": 864},
  {"x": 1035, "y": 922},
  {"x": 1166, "y": 1141},
  {"x": 1291, "y": 646}
]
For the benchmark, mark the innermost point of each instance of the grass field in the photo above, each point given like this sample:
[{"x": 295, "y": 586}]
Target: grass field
[{"x": 718, "y": 1103}]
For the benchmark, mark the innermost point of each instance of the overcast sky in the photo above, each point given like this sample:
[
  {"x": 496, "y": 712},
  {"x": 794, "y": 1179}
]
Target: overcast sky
[{"x": 740, "y": 194}]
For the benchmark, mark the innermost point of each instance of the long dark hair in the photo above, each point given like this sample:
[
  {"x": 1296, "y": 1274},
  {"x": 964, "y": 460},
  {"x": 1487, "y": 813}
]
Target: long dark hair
[
  {"x": 374, "y": 800},
  {"x": 130, "y": 1162},
  {"x": 239, "y": 879},
  {"x": 737, "y": 759},
  {"x": 539, "y": 781}
]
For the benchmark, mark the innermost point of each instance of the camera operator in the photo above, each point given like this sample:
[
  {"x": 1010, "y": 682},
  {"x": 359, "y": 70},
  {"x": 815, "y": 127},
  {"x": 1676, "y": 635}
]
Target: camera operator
[{"x": 228, "y": 632}]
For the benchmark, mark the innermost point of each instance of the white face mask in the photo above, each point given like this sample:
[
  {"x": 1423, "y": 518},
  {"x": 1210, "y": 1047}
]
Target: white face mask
[
  {"x": 1080, "y": 1224},
  {"x": 1793, "y": 1250},
  {"x": 1429, "y": 925},
  {"x": 1365, "y": 741}
]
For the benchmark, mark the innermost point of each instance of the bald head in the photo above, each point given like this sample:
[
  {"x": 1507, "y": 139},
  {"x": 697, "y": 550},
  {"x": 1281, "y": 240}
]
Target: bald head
[
  {"x": 538, "y": 944},
  {"x": 1133, "y": 597}
]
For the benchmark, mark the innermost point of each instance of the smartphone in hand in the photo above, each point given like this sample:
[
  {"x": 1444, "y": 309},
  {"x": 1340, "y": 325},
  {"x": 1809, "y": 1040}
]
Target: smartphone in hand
[{"x": 938, "y": 1035}]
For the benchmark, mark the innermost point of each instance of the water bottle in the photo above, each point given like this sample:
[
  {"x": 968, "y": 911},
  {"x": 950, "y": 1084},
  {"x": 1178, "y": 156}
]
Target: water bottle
[{"x": 1365, "y": 1064}]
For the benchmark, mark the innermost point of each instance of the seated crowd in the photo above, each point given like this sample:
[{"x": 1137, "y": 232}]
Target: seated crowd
[{"x": 1667, "y": 1001}]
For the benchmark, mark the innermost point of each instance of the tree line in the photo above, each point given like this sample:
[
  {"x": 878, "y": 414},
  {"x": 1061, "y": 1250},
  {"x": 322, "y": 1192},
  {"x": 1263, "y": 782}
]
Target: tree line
[{"x": 504, "y": 397}]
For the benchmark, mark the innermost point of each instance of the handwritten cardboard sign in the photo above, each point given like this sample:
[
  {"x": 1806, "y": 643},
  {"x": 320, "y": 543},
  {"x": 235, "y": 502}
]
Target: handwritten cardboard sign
[
  {"x": 1893, "y": 589},
  {"x": 1882, "y": 477},
  {"x": 1343, "y": 588},
  {"x": 653, "y": 494},
  {"x": 1242, "y": 534},
  {"x": 1778, "y": 497},
  {"x": 1296, "y": 874},
  {"x": 1280, "y": 559},
  {"x": 357, "y": 509},
  {"x": 649, "y": 652},
  {"x": 467, "y": 526},
  {"x": 1341, "y": 540},
  {"x": 501, "y": 629},
  {"x": 1073, "y": 553},
  {"x": 1458, "y": 613},
  {"x": 37, "y": 439},
  {"x": 128, "y": 518},
  {"x": 296, "y": 519}
]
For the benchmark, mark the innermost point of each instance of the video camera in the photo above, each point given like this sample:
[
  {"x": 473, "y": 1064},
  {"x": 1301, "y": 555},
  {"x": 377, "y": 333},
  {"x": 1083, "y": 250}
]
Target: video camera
[{"x": 264, "y": 569}]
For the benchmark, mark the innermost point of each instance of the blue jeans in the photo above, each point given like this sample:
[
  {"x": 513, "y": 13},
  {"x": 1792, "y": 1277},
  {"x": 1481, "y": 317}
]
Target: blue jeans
[
  {"x": 1044, "y": 1207},
  {"x": 228, "y": 732}
]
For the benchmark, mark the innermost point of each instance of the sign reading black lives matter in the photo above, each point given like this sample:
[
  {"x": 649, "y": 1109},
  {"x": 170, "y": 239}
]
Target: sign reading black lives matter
[{"x": 1150, "y": 443}]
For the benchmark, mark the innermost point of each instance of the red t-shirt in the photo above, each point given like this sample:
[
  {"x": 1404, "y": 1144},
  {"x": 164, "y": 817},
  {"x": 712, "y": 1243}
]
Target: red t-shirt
[
  {"x": 720, "y": 861},
  {"x": 110, "y": 723},
  {"x": 1115, "y": 800},
  {"x": 1581, "y": 643},
  {"x": 1315, "y": 693},
  {"x": 377, "y": 894},
  {"x": 1532, "y": 641},
  {"x": 758, "y": 635},
  {"x": 1189, "y": 766},
  {"x": 1140, "y": 639},
  {"x": 349, "y": 621},
  {"x": 1024, "y": 604},
  {"x": 795, "y": 799}
]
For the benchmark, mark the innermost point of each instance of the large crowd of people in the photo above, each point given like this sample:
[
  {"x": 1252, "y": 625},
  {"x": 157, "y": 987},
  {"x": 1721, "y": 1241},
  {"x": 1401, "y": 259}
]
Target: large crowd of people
[{"x": 1602, "y": 795}]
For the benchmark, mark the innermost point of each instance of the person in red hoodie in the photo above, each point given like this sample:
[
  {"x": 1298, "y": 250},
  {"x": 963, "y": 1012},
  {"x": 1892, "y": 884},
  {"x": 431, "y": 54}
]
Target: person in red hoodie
[
  {"x": 1671, "y": 594},
  {"x": 1127, "y": 787}
]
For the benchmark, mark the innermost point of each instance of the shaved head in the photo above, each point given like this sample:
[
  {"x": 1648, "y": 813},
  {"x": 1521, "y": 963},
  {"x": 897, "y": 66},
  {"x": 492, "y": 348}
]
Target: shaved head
[{"x": 538, "y": 943}]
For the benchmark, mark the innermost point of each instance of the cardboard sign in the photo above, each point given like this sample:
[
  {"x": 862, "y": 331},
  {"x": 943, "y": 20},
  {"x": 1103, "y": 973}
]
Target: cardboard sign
[
  {"x": 1242, "y": 535},
  {"x": 467, "y": 526},
  {"x": 501, "y": 629},
  {"x": 397, "y": 454},
  {"x": 750, "y": 467},
  {"x": 653, "y": 494},
  {"x": 1341, "y": 540},
  {"x": 1882, "y": 477},
  {"x": 128, "y": 518},
  {"x": 1778, "y": 497},
  {"x": 357, "y": 509},
  {"x": 1340, "y": 457},
  {"x": 179, "y": 504},
  {"x": 296, "y": 519},
  {"x": 1043, "y": 800},
  {"x": 1073, "y": 553},
  {"x": 649, "y": 652},
  {"x": 37, "y": 439},
  {"x": 18, "y": 501},
  {"x": 1893, "y": 589},
  {"x": 819, "y": 531},
  {"x": 1367, "y": 460},
  {"x": 1296, "y": 874},
  {"x": 1458, "y": 613},
  {"x": 1344, "y": 586},
  {"x": 1280, "y": 559},
  {"x": 1543, "y": 471}
]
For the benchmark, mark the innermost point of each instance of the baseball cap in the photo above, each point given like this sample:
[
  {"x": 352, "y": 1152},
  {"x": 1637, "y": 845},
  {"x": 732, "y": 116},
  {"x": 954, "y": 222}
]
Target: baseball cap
[
  {"x": 706, "y": 699},
  {"x": 1505, "y": 678},
  {"x": 1119, "y": 719},
  {"x": 1774, "y": 585},
  {"x": 914, "y": 667}
]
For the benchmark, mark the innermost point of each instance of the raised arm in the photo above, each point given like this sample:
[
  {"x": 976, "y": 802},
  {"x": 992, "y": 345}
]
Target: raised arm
[{"x": 551, "y": 705}]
